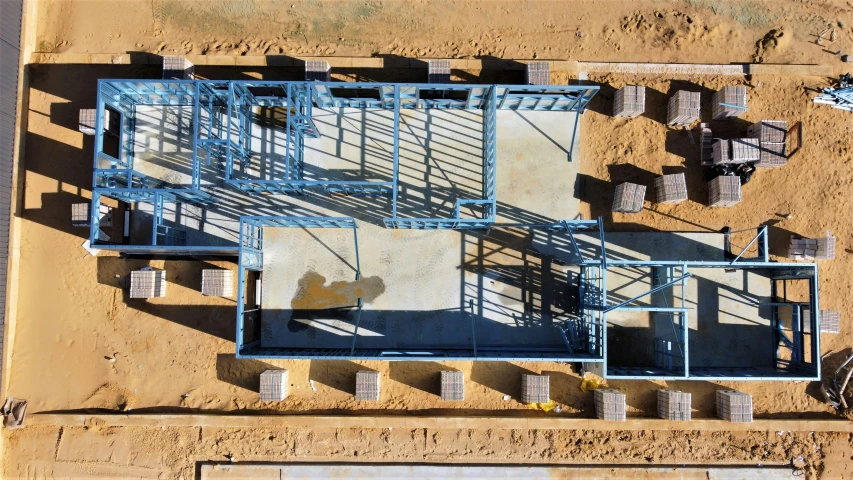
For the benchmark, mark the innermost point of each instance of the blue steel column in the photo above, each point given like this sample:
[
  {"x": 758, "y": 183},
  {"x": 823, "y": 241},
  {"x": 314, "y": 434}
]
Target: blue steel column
[
  {"x": 229, "y": 160},
  {"x": 491, "y": 180},
  {"x": 290, "y": 104},
  {"x": 196, "y": 166},
  {"x": 99, "y": 132},
  {"x": 577, "y": 108},
  {"x": 396, "y": 172}
]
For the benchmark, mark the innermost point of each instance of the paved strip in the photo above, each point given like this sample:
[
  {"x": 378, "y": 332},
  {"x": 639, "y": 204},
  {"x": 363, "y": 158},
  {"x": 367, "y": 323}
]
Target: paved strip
[
  {"x": 455, "y": 64},
  {"x": 433, "y": 422},
  {"x": 413, "y": 472}
]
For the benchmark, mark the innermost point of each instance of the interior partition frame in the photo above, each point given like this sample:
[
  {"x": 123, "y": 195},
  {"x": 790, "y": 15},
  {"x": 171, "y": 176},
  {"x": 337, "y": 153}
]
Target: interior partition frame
[{"x": 251, "y": 258}]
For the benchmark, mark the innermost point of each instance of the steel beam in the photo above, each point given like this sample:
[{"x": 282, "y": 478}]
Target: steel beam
[{"x": 656, "y": 289}]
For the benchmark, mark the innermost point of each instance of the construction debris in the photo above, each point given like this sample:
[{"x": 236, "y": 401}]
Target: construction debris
[
  {"x": 834, "y": 394},
  {"x": 840, "y": 96},
  {"x": 14, "y": 412}
]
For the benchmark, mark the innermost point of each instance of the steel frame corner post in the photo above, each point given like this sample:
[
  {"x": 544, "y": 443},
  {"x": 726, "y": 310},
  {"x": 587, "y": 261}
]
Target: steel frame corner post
[
  {"x": 579, "y": 110},
  {"x": 99, "y": 132},
  {"x": 490, "y": 176},
  {"x": 94, "y": 218},
  {"x": 288, "y": 132},
  {"x": 396, "y": 153},
  {"x": 196, "y": 181},
  {"x": 761, "y": 238},
  {"x": 229, "y": 153},
  {"x": 814, "y": 313}
]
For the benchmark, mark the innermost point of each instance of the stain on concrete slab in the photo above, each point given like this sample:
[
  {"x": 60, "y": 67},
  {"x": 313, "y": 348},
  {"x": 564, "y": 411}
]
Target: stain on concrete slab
[{"x": 312, "y": 293}]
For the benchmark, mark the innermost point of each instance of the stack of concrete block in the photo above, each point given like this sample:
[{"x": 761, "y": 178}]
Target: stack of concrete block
[
  {"x": 367, "y": 386},
  {"x": 706, "y": 141},
  {"x": 724, "y": 191},
  {"x": 812, "y": 248},
  {"x": 772, "y": 136},
  {"x": 629, "y": 101},
  {"x": 87, "y": 121},
  {"x": 538, "y": 73},
  {"x": 217, "y": 283},
  {"x": 734, "y": 406},
  {"x": 683, "y": 108},
  {"x": 452, "y": 385},
  {"x": 148, "y": 284},
  {"x": 674, "y": 405},
  {"x": 671, "y": 188},
  {"x": 178, "y": 68},
  {"x": 318, "y": 71},
  {"x": 273, "y": 385},
  {"x": 830, "y": 321},
  {"x": 629, "y": 198},
  {"x": 729, "y": 102},
  {"x": 610, "y": 405},
  {"x": 80, "y": 215},
  {"x": 736, "y": 150},
  {"x": 535, "y": 388},
  {"x": 439, "y": 71}
]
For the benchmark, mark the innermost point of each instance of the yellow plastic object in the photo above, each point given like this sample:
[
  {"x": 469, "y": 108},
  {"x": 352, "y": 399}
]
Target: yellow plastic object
[
  {"x": 591, "y": 382},
  {"x": 545, "y": 407}
]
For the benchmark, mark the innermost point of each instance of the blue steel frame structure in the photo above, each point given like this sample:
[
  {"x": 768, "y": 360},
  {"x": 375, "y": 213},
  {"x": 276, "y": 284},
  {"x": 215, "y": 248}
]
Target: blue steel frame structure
[
  {"x": 222, "y": 114},
  {"x": 222, "y": 119}
]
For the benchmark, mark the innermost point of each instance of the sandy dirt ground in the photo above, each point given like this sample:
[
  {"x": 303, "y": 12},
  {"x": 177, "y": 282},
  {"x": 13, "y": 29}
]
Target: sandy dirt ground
[
  {"x": 692, "y": 31},
  {"x": 80, "y": 344},
  {"x": 151, "y": 452}
]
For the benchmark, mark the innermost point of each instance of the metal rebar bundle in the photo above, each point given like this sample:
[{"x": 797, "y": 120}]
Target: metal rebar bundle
[{"x": 840, "y": 96}]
